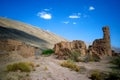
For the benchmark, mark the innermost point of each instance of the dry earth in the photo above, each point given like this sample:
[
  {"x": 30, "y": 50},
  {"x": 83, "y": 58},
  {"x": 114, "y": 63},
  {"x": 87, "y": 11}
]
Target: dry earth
[{"x": 49, "y": 69}]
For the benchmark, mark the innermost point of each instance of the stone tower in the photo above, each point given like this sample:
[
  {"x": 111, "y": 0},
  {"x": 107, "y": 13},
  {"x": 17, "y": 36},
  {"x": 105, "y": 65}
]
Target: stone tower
[
  {"x": 103, "y": 46},
  {"x": 106, "y": 38},
  {"x": 106, "y": 33}
]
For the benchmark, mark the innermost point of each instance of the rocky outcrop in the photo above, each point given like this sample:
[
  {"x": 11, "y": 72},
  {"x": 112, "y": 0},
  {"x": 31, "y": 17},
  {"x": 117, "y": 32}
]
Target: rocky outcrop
[
  {"x": 64, "y": 49},
  {"x": 102, "y": 46},
  {"x": 9, "y": 45}
]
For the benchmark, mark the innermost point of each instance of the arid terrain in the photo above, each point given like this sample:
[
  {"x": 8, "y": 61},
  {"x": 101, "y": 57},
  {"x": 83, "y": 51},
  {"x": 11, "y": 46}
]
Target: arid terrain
[
  {"x": 50, "y": 69},
  {"x": 30, "y": 53}
]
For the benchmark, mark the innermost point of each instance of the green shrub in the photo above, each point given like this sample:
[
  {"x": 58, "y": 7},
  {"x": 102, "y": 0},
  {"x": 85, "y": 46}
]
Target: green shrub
[
  {"x": 22, "y": 66},
  {"x": 114, "y": 75},
  {"x": 97, "y": 75},
  {"x": 70, "y": 64},
  {"x": 116, "y": 61},
  {"x": 75, "y": 56},
  {"x": 91, "y": 58},
  {"x": 48, "y": 52}
]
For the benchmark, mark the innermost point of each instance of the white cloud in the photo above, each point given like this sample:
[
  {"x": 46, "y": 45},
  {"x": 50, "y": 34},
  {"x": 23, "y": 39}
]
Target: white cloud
[
  {"x": 44, "y": 15},
  {"x": 75, "y": 15},
  {"x": 66, "y": 22},
  {"x": 47, "y": 9},
  {"x": 74, "y": 23},
  {"x": 91, "y": 8}
]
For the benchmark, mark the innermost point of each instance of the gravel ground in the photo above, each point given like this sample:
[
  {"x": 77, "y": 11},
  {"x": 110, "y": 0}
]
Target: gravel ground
[{"x": 49, "y": 69}]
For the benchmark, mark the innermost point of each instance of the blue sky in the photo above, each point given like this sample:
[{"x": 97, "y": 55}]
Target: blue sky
[{"x": 72, "y": 19}]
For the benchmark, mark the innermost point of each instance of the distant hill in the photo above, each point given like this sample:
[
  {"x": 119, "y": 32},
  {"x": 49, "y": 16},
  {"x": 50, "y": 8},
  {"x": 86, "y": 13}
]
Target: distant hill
[
  {"x": 11, "y": 29},
  {"x": 116, "y": 49}
]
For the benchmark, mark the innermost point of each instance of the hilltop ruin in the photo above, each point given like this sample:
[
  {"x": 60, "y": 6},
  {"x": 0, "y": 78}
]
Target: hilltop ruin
[
  {"x": 99, "y": 48},
  {"x": 103, "y": 46}
]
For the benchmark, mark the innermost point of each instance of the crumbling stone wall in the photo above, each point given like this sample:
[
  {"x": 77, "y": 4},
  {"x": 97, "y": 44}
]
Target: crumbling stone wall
[
  {"x": 99, "y": 48},
  {"x": 103, "y": 46},
  {"x": 64, "y": 49},
  {"x": 9, "y": 45}
]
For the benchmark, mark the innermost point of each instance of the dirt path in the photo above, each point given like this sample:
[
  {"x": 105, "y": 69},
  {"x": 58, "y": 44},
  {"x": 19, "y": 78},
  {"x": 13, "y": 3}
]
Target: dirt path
[{"x": 50, "y": 69}]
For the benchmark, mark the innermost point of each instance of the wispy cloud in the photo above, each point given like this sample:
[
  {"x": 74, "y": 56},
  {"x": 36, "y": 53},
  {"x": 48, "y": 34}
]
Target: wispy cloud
[
  {"x": 75, "y": 15},
  {"x": 44, "y": 15},
  {"x": 91, "y": 8},
  {"x": 66, "y": 22},
  {"x": 47, "y": 9},
  {"x": 74, "y": 23}
]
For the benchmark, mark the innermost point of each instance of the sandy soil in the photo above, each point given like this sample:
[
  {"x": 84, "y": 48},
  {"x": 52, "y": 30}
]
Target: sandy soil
[{"x": 49, "y": 69}]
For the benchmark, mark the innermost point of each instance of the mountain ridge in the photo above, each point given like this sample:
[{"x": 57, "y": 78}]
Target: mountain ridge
[{"x": 28, "y": 32}]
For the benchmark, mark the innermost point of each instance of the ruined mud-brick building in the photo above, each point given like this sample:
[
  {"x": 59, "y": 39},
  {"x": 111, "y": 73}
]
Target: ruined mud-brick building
[
  {"x": 100, "y": 47},
  {"x": 103, "y": 46},
  {"x": 64, "y": 49},
  {"x": 9, "y": 45}
]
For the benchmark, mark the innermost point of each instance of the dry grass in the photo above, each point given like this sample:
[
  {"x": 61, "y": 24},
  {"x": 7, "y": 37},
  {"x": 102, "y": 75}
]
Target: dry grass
[
  {"x": 22, "y": 66},
  {"x": 37, "y": 65},
  {"x": 96, "y": 75},
  {"x": 70, "y": 64},
  {"x": 17, "y": 76},
  {"x": 45, "y": 68}
]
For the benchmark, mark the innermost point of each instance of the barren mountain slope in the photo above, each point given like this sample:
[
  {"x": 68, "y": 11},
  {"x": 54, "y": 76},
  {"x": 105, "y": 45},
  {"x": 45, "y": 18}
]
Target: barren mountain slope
[{"x": 27, "y": 33}]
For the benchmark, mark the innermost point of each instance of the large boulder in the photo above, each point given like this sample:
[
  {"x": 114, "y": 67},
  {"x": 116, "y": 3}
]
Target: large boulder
[{"x": 63, "y": 50}]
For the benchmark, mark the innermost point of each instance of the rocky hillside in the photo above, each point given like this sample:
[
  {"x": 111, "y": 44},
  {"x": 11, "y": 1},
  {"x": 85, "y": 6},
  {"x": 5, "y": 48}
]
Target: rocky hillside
[{"x": 11, "y": 29}]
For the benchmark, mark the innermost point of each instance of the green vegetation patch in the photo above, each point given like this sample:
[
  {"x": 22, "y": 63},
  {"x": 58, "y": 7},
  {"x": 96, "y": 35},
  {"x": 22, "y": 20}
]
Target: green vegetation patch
[
  {"x": 116, "y": 61},
  {"x": 114, "y": 75},
  {"x": 91, "y": 58},
  {"x": 48, "y": 52},
  {"x": 99, "y": 75},
  {"x": 75, "y": 56}
]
